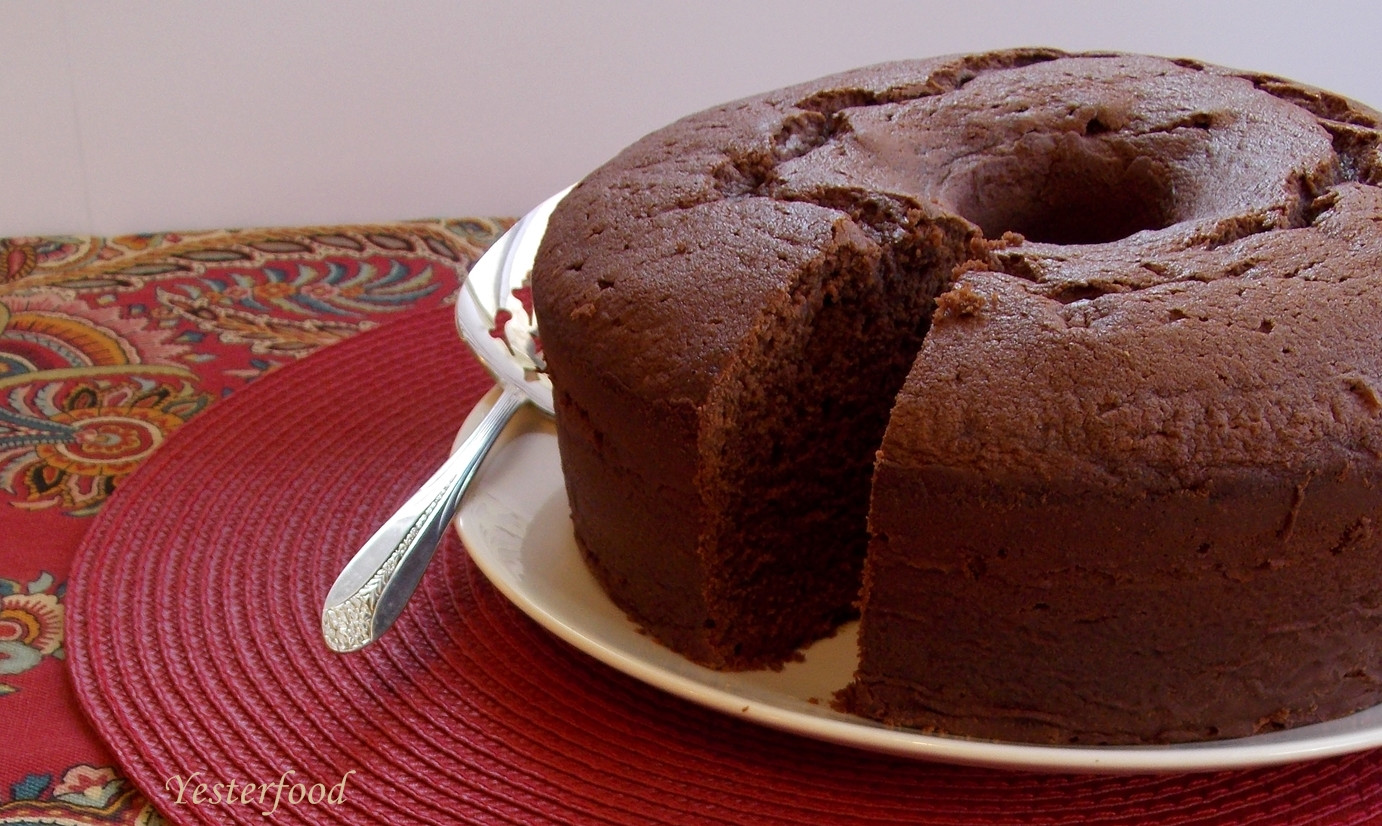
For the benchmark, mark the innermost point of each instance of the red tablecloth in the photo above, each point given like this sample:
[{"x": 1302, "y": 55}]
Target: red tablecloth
[{"x": 107, "y": 347}]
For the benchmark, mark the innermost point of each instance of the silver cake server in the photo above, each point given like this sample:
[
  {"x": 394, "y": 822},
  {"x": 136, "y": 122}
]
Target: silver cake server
[{"x": 494, "y": 314}]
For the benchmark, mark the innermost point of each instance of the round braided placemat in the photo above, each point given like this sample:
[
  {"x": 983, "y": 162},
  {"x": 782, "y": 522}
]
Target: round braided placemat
[{"x": 194, "y": 635}]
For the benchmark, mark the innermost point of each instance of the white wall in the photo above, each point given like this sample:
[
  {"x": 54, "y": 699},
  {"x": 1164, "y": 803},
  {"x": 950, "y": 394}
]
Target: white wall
[{"x": 166, "y": 114}]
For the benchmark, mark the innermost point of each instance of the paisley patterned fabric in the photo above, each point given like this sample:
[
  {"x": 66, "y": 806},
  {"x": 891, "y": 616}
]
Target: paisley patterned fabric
[{"x": 107, "y": 347}]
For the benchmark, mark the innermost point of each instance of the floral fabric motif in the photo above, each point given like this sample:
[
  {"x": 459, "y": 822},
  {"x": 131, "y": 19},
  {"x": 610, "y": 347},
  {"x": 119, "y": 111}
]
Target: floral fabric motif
[
  {"x": 83, "y": 795},
  {"x": 107, "y": 346},
  {"x": 55, "y": 333},
  {"x": 69, "y": 444},
  {"x": 31, "y": 627},
  {"x": 295, "y": 309}
]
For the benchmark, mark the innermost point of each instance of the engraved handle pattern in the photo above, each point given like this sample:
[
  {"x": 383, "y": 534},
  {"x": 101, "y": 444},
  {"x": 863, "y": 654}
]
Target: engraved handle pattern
[
  {"x": 349, "y": 625},
  {"x": 373, "y": 588}
]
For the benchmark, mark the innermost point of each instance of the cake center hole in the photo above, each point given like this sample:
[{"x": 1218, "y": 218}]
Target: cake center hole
[{"x": 1067, "y": 189}]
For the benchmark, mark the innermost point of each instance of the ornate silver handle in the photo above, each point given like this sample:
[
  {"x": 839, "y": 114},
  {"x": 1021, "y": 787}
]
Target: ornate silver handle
[{"x": 372, "y": 589}]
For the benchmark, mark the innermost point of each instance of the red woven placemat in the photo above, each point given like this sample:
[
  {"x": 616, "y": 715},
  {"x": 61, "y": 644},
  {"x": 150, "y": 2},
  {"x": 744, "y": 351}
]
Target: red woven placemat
[{"x": 196, "y": 649}]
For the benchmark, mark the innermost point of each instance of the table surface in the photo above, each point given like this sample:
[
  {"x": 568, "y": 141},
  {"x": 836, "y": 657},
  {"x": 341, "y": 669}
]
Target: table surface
[{"x": 107, "y": 347}]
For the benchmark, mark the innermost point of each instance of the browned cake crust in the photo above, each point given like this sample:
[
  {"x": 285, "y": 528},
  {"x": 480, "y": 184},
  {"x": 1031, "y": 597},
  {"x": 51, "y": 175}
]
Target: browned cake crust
[{"x": 1128, "y": 489}]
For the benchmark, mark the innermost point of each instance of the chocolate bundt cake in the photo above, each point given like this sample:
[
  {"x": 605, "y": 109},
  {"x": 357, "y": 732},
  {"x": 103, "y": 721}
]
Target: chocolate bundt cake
[{"x": 1071, "y": 360}]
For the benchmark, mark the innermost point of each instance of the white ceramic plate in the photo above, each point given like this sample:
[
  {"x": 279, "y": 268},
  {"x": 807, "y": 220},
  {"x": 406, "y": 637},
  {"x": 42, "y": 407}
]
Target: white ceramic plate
[{"x": 516, "y": 526}]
